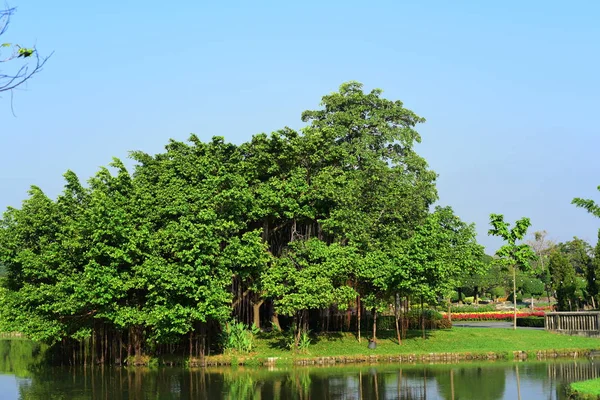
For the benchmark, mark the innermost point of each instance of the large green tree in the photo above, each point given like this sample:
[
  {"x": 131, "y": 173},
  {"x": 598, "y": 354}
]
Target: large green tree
[
  {"x": 350, "y": 178},
  {"x": 331, "y": 216}
]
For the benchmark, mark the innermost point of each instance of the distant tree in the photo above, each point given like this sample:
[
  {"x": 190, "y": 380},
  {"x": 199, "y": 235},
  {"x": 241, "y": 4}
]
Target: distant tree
[
  {"x": 512, "y": 255},
  {"x": 542, "y": 247},
  {"x": 26, "y": 60},
  {"x": 575, "y": 279},
  {"x": 480, "y": 281},
  {"x": 563, "y": 279}
]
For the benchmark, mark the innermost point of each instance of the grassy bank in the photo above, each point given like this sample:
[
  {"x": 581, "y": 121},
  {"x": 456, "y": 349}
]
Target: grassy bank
[
  {"x": 439, "y": 345},
  {"x": 586, "y": 390}
]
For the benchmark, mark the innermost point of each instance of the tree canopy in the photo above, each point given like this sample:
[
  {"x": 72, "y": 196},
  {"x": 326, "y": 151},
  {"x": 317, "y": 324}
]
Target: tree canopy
[{"x": 334, "y": 215}]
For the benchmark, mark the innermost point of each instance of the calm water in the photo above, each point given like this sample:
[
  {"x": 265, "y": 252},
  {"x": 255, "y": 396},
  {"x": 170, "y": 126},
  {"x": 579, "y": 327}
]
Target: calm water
[{"x": 23, "y": 377}]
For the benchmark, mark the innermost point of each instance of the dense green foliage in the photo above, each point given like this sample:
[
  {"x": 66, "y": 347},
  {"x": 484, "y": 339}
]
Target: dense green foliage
[
  {"x": 536, "y": 322},
  {"x": 585, "y": 390},
  {"x": 335, "y": 217}
]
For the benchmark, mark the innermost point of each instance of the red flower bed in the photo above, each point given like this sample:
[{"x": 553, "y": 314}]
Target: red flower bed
[{"x": 493, "y": 315}]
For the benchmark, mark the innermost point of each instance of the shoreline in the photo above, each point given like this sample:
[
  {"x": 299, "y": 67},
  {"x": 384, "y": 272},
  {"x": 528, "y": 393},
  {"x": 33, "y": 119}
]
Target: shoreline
[
  {"x": 454, "y": 345},
  {"x": 430, "y": 358}
]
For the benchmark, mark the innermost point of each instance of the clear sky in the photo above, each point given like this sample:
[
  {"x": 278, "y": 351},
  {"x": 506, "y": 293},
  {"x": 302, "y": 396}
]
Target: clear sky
[{"x": 510, "y": 89}]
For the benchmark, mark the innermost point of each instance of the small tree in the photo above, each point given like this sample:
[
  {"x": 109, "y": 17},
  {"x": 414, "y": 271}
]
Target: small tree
[{"x": 512, "y": 255}]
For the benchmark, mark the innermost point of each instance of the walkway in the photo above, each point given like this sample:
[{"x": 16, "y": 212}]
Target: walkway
[{"x": 488, "y": 324}]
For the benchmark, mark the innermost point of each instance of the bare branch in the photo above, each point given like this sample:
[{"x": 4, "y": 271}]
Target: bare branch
[{"x": 11, "y": 80}]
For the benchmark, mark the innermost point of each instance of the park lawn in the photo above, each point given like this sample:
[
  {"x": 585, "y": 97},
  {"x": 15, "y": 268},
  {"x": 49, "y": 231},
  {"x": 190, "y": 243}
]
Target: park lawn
[
  {"x": 455, "y": 340},
  {"x": 589, "y": 388}
]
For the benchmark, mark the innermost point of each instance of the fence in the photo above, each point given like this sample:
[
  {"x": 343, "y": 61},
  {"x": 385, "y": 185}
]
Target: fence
[{"x": 574, "y": 323}]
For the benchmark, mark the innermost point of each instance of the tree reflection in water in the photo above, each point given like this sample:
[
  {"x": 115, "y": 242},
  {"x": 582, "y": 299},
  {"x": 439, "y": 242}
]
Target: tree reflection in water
[{"x": 490, "y": 381}]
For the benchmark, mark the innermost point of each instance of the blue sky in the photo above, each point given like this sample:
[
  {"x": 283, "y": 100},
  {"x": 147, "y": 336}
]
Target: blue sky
[{"x": 510, "y": 90}]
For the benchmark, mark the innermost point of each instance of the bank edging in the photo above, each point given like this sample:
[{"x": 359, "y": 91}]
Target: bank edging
[{"x": 441, "y": 358}]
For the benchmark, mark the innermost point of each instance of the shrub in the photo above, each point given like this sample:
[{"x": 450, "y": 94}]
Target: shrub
[
  {"x": 443, "y": 324},
  {"x": 469, "y": 300},
  {"x": 497, "y": 292},
  {"x": 454, "y": 296},
  {"x": 537, "y": 322},
  {"x": 532, "y": 286},
  {"x": 304, "y": 342},
  {"x": 237, "y": 337},
  {"x": 519, "y": 298},
  {"x": 473, "y": 308}
]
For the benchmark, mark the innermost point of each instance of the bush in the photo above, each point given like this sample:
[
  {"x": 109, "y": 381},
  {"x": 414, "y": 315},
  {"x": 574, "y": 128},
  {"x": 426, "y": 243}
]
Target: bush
[
  {"x": 532, "y": 286},
  {"x": 469, "y": 300},
  {"x": 497, "y": 292},
  {"x": 386, "y": 322},
  {"x": 443, "y": 324},
  {"x": 237, "y": 337},
  {"x": 537, "y": 322},
  {"x": 454, "y": 296},
  {"x": 519, "y": 298},
  {"x": 473, "y": 308}
]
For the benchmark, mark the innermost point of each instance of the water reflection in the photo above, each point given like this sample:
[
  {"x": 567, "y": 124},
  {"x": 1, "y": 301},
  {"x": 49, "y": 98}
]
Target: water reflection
[{"x": 25, "y": 377}]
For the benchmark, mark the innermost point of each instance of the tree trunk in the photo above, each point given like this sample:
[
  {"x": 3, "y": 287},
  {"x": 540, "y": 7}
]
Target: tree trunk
[
  {"x": 476, "y": 299},
  {"x": 275, "y": 321},
  {"x": 422, "y": 319},
  {"x": 374, "y": 324},
  {"x": 514, "y": 297},
  {"x": 256, "y": 313},
  {"x": 102, "y": 342},
  {"x": 191, "y": 341},
  {"x": 305, "y": 321},
  {"x": 396, "y": 300},
  {"x": 449, "y": 310},
  {"x": 129, "y": 344},
  {"x": 120, "y": 348},
  {"x": 137, "y": 338},
  {"x": 297, "y": 321},
  {"x": 358, "y": 306},
  {"x": 202, "y": 344}
]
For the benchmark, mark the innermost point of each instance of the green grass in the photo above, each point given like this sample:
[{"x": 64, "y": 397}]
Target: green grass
[
  {"x": 456, "y": 340},
  {"x": 587, "y": 389}
]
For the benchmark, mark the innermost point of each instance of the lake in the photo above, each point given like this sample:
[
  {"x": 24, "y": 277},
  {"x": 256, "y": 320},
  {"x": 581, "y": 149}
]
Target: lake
[{"x": 24, "y": 375}]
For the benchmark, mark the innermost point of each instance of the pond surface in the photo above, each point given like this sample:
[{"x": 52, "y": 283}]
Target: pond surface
[{"x": 24, "y": 376}]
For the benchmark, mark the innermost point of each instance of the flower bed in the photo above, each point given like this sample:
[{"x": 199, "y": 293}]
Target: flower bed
[{"x": 493, "y": 315}]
